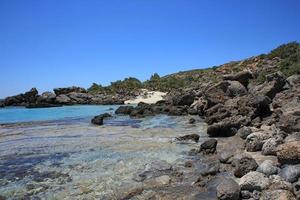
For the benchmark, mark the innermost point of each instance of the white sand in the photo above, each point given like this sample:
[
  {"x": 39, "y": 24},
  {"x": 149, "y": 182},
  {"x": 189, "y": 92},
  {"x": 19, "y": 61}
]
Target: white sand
[{"x": 147, "y": 97}]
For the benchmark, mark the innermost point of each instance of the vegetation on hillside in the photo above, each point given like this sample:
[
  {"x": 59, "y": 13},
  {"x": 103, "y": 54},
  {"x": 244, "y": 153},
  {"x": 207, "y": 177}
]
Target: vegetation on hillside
[{"x": 285, "y": 58}]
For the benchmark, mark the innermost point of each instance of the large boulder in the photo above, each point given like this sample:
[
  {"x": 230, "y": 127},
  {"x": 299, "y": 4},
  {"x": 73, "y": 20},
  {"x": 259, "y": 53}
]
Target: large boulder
[
  {"x": 243, "y": 77},
  {"x": 254, "y": 181},
  {"x": 227, "y": 127},
  {"x": 228, "y": 189},
  {"x": 67, "y": 90},
  {"x": 289, "y": 153},
  {"x": 244, "y": 165}
]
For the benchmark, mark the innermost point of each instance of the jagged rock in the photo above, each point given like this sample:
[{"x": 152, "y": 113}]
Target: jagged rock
[
  {"x": 268, "y": 168},
  {"x": 290, "y": 173},
  {"x": 244, "y": 165},
  {"x": 228, "y": 189},
  {"x": 209, "y": 146},
  {"x": 244, "y": 132},
  {"x": 254, "y": 181},
  {"x": 125, "y": 110},
  {"x": 274, "y": 84},
  {"x": 178, "y": 110},
  {"x": 183, "y": 100},
  {"x": 63, "y": 99},
  {"x": 290, "y": 121},
  {"x": 67, "y": 90},
  {"x": 79, "y": 98},
  {"x": 227, "y": 127},
  {"x": 190, "y": 137},
  {"x": 31, "y": 96},
  {"x": 277, "y": 194},
  {"x": 46, "y": 97},
  {"x": 217, "y": 113},
  {"x": 289, "y": 153}
]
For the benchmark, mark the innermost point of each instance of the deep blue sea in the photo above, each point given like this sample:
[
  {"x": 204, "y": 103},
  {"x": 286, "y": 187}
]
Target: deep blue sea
[{"x": 22, "y": 114}]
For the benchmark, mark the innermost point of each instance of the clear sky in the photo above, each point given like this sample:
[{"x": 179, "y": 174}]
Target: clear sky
[{"x": 57, "y": 43}]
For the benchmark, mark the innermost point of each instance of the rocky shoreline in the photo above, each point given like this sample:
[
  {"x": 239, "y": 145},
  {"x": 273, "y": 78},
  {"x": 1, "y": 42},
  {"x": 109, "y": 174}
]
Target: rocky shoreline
[{"x": 265, "y": 117}]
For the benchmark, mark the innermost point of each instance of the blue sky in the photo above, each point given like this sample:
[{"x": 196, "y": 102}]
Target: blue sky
[{"x": 57, "y": 43}]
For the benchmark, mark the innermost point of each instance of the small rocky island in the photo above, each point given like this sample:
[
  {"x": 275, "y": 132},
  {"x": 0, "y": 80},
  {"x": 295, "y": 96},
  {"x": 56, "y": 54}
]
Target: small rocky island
[{"x": 252, "y": 104}]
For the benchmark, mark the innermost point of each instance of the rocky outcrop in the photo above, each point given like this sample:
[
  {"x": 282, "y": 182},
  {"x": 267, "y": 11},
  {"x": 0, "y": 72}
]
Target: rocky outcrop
[
  {"x": 242, "y": 77},
  {"x": 67, "y": 90}
]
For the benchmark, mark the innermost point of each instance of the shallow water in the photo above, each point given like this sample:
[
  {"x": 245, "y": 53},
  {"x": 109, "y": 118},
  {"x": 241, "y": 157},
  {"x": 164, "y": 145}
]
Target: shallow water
[{"x": 72, "y": 159}]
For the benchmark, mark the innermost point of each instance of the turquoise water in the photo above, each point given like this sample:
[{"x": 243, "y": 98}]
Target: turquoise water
[{"x": 22, "y": 114}]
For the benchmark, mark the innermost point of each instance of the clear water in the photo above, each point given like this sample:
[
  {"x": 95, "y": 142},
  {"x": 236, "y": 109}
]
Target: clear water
[
  {"x": 22, "y": 114},
  {"x": 77, "y": 160}
]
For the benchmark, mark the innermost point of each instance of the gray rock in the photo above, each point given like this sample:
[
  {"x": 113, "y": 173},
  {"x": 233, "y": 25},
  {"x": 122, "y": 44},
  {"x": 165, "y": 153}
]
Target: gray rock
[
  {"x": 63, "y": 99},
  {"x": 67, "y": 90},
  {"x": 267, "y": 167},
  {"x": 294, "y": 79},
  {"x": 254, "y": 181},
  {"x": 290, "y": 173},
  {"x": 244, "y": 132},
  {"x": 209, "y": 146},
  {"x": 243, "y": 166},
  {"x": 228, "y": 189},
  {"x": 277, "y": 183},
  {"x": 187, "y": 138},
  {"x": 242, "y": 77}
]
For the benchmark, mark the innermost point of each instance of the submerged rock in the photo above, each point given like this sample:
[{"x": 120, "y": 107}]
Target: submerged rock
[{"x": 190, "y": 137}]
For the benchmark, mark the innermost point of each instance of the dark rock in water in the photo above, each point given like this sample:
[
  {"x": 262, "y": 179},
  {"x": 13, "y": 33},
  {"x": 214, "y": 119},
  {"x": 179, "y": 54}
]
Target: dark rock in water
[
  {"x": 290, "y": 173},
  {"x": 242, "y": 77},
  {"x": 244, "y": 132},
  {"x": 97, "y": 120},
  {"x": 125, "y": 110},
  {"x": 22, "y": 99},
  {"x": 228, "y": 127},
  {"x": 228, "y": 189},
  {"x": 192, "y": 120},
  {"x": 178, "y": 110},
  {"x": 67, "y": 90},
  {"x": 209, "y": 146},
  {"x": 289, "y": 153},
  {"x": 154, "y": 169},
  {"x": 210, "y": 168},
  {"x": 1, "y": 104},
  {"x": 42, "y": 105},
  {"x": 190, "y": 137},
  {"x": 243, "y": 166}
]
